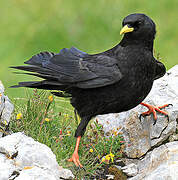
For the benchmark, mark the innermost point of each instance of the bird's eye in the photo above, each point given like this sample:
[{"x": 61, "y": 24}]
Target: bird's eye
[{"x": 137, "y": 24}]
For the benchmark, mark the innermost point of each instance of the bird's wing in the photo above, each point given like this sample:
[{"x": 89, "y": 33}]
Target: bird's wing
[
  {"x": 75, "y": 68},
  {"x": 160, "y": 70}
]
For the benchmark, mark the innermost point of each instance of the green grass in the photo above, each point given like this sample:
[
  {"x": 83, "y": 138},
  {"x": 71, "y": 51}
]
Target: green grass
[
  {"x": 28, "y": 27},
  {"x": 58, "y": 132}
]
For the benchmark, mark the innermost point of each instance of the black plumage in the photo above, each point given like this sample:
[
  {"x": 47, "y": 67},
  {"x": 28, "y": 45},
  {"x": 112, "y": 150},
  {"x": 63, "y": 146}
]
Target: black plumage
[{"x": 109, "y": 82}]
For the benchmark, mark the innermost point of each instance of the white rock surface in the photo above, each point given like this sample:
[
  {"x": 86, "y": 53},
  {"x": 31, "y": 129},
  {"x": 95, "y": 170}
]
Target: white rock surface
[
  {"x": 22, "y": 158},
  {"x": 6, "y": 109},
  {"x": 141, "y": 136},
  {"x": 159, "y": 164},
  {"x": 131, "y": 169}
]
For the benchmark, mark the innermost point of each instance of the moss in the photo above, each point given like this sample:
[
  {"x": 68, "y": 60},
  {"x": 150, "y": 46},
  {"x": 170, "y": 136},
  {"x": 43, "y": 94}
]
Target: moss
[{"x": 118, "y": 174}]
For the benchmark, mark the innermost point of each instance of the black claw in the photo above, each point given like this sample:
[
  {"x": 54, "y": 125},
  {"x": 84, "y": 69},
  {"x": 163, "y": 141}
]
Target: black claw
[
  {"x": 170, "y": 105},
  {"x": 140, "y": 117},
  {"x": 154, "y": 121},
  {"x": 167, "y": 118}
]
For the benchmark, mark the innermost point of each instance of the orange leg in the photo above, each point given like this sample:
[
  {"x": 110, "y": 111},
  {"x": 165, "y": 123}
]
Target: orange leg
[
  {"x": 75, "y": 156},
  {"x": 153, "y": 109}
]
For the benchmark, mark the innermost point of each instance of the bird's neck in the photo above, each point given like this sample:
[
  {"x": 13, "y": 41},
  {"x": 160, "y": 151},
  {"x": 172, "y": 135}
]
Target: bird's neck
[{"x": 147, "y": 44}]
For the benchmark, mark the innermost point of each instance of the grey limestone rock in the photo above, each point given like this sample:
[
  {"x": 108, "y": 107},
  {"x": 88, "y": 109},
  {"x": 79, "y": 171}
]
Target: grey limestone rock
[
  {"x": 23, "y": 158},
  {"x": 159, "y": 164}
]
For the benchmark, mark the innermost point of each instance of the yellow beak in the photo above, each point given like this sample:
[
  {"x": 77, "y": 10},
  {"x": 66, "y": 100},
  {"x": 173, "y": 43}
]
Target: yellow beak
[{"x": 126, "y": 29}]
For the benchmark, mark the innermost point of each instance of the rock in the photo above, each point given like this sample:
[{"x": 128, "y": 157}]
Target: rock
[
  {"x": 141, "y": 136},
  {"x": 6, "y": 109},
  {"x": 130, "y": 170},
  {"x": 23, "y": 158},
  {"x": 161, "y": 163}
]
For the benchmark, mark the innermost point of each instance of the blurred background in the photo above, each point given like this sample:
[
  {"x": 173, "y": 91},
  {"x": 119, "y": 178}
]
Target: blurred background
[{"x": 30, "y": 26}]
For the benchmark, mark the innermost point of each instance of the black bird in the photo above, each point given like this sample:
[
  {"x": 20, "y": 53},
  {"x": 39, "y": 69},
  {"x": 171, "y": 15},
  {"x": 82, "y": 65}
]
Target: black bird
[{"x": 109, "y": 82}]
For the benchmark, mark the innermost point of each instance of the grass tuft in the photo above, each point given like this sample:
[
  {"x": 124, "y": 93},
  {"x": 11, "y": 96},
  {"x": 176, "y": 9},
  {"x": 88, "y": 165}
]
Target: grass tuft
[{"x": 51, "y": 121}]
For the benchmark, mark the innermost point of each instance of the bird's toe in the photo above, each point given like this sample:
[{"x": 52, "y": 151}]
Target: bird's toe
[{"x": 75, "y": 160}]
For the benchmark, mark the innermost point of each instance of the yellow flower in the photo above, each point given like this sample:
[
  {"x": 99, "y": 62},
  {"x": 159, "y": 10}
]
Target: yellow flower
[
  {"x": 47, "y": 119},
  {"x": 108, "y": 157},
  {"x": 115, "y": 133},
  {"x": 19, "y": 116},
  {"x": 91, "y": 150},
  {"x": 103, "y": 159},
  {"x": 50, "y": 98},
  {"x": 5, "y": 122},
  {"x": 66, "y": 116},
  {"x": 118, "y": 128},
  {"x": 112, "y": 157}
]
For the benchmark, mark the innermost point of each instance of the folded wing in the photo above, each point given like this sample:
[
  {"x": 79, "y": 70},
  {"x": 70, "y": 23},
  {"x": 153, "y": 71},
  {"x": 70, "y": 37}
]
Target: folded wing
[{"x": 71, "y": 68}]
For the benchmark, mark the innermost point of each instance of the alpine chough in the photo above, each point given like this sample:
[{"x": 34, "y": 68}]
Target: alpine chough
[{"x": 108, "y": 82}]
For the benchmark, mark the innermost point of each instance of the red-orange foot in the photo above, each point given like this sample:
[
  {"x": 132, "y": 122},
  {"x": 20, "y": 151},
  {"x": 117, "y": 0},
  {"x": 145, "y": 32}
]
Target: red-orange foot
[
  {"x": 75, "y": 159},
  {"x": 75, "y": 156},
  {"x": 153, "y": 109}
]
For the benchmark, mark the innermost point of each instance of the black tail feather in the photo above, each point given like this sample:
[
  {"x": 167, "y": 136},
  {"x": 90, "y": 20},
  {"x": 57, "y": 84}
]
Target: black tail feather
[
  {"x": 61, "y": 94},
  {"x": 50, "y": 85},
  {"x": 44, "y": 76},
  {"x": 37, "y": 69},
  {"x": 59, "y": 71}
]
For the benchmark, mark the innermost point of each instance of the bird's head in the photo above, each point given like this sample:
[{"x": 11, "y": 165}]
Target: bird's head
[{"x": 138, "y": 27}]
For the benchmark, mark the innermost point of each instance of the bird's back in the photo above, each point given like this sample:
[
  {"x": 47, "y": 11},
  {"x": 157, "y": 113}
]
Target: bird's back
[{"x": 137, "y": 67}]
